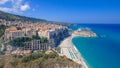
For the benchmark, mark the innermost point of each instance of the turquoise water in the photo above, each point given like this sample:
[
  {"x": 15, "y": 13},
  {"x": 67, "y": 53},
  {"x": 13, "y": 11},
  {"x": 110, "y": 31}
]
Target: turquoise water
[{"x": 103, "y": 51}]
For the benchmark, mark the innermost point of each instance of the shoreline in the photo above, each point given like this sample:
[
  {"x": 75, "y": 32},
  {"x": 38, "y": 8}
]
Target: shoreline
[
  {"x": 70, "y": 51},
  {"x": 82, "y": 59}
]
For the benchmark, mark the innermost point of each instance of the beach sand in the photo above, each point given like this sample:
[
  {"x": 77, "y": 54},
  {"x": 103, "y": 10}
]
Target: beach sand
[{"x": 70, "y": 51}]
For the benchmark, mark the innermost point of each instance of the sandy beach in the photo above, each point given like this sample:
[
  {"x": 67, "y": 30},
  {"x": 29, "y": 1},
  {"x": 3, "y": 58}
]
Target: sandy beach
[{"x": 69, "y": 50}]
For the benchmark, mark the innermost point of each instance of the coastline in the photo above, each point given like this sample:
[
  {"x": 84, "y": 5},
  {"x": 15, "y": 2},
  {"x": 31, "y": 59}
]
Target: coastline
[
  {"x": 82, "y": 59},
  {"x": 69, "y": 50}
]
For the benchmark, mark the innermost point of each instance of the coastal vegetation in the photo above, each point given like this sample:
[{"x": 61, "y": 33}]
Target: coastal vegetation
[
  {"x": 38, "y": 55},
  {"x": 58, "y": 49},
  {"x": 37, "y": 60}
]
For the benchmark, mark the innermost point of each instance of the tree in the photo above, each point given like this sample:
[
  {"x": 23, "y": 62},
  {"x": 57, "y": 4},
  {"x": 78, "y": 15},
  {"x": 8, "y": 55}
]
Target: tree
[
  {"x": 19, "y": 42},
  {"x": 2, "y": 29},
  {"x": 35, "y": 37},
  {"x": 44, "y": 40}
]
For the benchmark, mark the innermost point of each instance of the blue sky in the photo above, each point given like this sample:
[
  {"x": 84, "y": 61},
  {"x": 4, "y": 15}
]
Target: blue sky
[{"x": 77, "y": 11}]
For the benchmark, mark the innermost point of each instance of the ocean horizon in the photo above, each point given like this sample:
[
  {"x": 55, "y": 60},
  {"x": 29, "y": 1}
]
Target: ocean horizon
[{"x": 102, "y": 51}]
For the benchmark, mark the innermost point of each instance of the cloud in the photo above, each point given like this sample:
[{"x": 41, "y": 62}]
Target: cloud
[
  {"x": 6, "y": 9},
  {"x": 17, "y": 6},
  {"x": 25, "y": 7},
  {"x": 3, "y": 1}
]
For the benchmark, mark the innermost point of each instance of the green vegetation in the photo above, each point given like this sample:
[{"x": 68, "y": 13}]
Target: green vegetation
[
  {"x": 43, "y": 40},
  {"x": 35, "y": 37},
  {"x": 2, "y": 29},
  {"x": 1, "y": 41},
  {"x": 38, "y": 55},
  {"x": 38, "y": 60},
  {"x": 19, "y": 42},
  {"x": 58, "y": 49},
  {"x": 1, "y": 53},
  {"x": 12, "y": 17},
  {"x": 32, "y": 57}
]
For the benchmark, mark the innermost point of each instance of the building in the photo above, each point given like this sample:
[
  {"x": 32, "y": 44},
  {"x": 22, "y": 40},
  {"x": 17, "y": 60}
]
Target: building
[
  {"x": 13, "y": 32},
  {"x": 55, "y": 34},
  {"x": 36, "y": 45}
]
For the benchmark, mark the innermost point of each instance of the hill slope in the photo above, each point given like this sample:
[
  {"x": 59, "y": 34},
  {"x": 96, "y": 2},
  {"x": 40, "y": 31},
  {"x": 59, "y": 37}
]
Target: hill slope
[{"x": 12, "y": 17}]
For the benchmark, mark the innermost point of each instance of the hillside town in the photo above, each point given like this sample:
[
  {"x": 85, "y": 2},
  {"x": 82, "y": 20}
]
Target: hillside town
[{"x": 53, "y": 33}]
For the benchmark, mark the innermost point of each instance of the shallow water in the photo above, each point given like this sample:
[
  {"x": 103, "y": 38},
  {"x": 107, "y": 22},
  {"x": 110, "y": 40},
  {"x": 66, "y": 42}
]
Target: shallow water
[{"x": 103, "y": 51}]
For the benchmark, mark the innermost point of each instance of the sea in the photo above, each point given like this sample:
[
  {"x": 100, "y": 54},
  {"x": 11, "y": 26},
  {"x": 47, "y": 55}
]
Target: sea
[{"x": 102, "y": 51}]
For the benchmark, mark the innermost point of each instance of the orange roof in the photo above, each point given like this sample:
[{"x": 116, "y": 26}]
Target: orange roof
[{"x": 13, "y": 28}]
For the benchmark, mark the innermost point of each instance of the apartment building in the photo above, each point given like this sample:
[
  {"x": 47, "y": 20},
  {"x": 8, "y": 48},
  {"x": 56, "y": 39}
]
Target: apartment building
[{"x": 36, "y": 45}]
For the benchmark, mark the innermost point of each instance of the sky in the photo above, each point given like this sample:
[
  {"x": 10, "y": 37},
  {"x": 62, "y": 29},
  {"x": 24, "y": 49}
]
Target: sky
[{"x": 73, "y": 11}]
